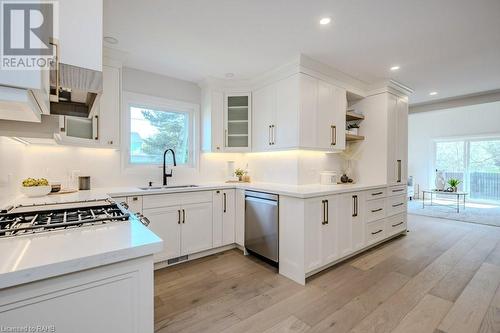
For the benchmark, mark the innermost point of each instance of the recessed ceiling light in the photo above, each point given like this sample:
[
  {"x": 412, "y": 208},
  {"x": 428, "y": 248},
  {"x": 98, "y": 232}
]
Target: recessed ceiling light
[
  {"x": 110, "y": 40},
  {"x": 325, "y": 21},
  {"x": 394, "y": 68},
  {"x": 433, "y": 93},
  {"x": 229, "y": 75}
]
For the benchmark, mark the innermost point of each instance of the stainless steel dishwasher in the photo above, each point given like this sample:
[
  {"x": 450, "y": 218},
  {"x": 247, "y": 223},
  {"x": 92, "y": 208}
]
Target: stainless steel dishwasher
[{"x": 261, "y": 225}]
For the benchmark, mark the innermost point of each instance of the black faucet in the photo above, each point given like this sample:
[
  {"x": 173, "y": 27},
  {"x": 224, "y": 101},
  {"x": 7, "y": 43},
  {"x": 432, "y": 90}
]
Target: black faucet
[{"x": 165, "y": 174}]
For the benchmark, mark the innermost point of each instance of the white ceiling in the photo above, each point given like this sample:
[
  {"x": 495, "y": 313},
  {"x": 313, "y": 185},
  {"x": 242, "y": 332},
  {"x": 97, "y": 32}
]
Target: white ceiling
[{"x": 449, "y": 46}]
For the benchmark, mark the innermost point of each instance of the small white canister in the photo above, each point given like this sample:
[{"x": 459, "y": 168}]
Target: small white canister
[{"x": 328, "y": 177}]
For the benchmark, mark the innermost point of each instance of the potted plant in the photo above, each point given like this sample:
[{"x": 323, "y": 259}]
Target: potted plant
[
  {"x": 453, "y": 182},
  {"x": 240, "y": 173}
]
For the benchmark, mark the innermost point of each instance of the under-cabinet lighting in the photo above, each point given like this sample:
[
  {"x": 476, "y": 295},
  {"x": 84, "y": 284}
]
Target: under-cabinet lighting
[{"x": 395, "y": 68}]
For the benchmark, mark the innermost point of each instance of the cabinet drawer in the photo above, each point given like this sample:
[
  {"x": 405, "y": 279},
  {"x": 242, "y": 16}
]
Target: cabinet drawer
[
  {"x": 376, "y": 193},
  {"x": 375, "y": 231},
  {"x": 166, "y": 200},
  {"x": 396, "y": 205},
  {"x": 396, "y": 224},
  {"x": 375, "y": 210},
  {"x": 397, "y": 190}
]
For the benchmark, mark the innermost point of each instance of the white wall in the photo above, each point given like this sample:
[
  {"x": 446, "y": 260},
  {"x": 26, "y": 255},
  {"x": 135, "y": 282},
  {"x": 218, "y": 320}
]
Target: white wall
[
  {"x": 425, "y": 127},
  {"x": 56, "y": 162}
]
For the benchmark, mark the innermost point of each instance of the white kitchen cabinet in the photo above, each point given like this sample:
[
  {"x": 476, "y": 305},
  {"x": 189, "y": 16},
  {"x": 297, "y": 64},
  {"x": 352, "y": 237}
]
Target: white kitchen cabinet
[
  {"x": 320, "y": 232},
  {"x": 239, "y": 219},
  {"x": 351, "y": 224},
  {"x": 299, "y": 112},
  {"x": 212, "y": 131},
  {"x": 80, "y": 33},
  {"x": 134, "y": 204},
  {"x": 237, "y": 122},
  {"x": 109, "y": 107},
  {"x": 330, "y": 119},
  {"x": 264, "y": 105},
  {"x": 196, "y": 230},
  {"x": 397, "y": 132},
  {"x": 223, "y": 217},
  {"x": 166, "y": 223}
]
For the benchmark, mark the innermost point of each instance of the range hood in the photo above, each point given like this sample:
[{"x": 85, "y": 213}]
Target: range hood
[{"x": 74, "y": 91}]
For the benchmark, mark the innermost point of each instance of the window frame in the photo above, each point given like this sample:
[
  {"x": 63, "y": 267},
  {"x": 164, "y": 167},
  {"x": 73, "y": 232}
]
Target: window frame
[{"x": 131, "y": 99}]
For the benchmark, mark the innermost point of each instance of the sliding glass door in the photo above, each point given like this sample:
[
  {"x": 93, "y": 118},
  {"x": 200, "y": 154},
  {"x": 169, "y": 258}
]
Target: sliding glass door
[{"x": 476, "y": 162}]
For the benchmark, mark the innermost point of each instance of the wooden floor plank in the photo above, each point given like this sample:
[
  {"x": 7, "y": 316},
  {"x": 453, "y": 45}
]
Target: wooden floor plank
[
  {"x": 290, "y": 324},
  {"x": 452, "y": 285},
  {"x": 353, "y": 312},
  {"x": 425, "y": 317},
  {"x": 387, "y": 288},
  {"x": 470, "y": 308}
]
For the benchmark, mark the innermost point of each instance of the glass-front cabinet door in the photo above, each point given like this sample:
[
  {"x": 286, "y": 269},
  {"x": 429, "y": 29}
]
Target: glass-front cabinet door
[{"x": 237, "y": 119}]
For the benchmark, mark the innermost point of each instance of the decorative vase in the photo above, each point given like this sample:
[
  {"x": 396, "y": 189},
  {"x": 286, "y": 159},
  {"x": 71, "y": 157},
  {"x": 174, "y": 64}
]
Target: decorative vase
[
  {"x": 440, "y": 182},
  {"x": 344, "y": 178}
]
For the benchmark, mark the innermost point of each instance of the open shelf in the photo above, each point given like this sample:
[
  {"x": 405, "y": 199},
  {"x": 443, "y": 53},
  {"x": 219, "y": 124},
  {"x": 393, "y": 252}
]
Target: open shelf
[
  {"x": 350, "y": 116},
  {"x": 352, "y": 137}
]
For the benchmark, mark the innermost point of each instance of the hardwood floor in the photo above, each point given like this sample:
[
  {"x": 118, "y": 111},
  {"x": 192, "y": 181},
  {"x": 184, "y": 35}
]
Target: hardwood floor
[{"x": 444, "y": 276}]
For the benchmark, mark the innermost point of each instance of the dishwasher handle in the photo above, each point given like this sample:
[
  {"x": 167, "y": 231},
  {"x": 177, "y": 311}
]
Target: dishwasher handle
[{"x": 262, "y": 200}]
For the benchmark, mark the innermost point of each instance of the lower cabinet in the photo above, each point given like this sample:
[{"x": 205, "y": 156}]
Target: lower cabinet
[
  {"x": 185, "y": 229},
  {"x": 351, "y": 223},
  {"x": 320, "y": 232},
  {"x": 223, "y": 217}
]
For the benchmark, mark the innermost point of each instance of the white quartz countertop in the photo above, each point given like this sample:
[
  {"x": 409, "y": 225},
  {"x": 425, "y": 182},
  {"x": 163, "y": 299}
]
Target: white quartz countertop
[
  {"x": 35, "y": 257},
  {"x": 298, "y": 191}
]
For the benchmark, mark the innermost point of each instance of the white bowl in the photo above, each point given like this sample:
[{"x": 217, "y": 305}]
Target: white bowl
[{"x": 36, "y": 191}]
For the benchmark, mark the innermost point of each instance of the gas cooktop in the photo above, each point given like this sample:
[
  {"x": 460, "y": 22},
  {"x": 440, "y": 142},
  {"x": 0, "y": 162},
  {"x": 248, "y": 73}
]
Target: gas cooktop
[{"x": 24, "y": 220}]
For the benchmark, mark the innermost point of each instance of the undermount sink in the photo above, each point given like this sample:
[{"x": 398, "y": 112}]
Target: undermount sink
[{"x": 150, "y": 188}]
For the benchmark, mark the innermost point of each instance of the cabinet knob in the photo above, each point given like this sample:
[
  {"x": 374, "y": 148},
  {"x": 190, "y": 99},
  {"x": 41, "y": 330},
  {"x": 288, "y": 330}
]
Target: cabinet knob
[
  {"x": 110, "y": 142},
  {"x": 218, "y": 148}
]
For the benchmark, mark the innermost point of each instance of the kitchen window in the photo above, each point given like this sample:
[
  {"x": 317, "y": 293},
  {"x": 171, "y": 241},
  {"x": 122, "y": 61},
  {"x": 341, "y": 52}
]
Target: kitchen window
[{"x": 156, "y": 124}]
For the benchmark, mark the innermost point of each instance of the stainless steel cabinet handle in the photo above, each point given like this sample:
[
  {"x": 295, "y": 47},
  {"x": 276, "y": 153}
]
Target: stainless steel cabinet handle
[
  {"x": 270, "y": 135},
  {"x": 398, "y": 190},
  {"x": 395, "y": 225},
  {"x": 55, "y": 66},
  {"x": 355, "y": 205},
  {"x": 399, "y": 171},
  {"x": 377, "y": 232},
  {"x": 325, "y": 212},
  {"x": 183, "y": 216},
  {"x": 399, "y": 204},
  {"x": 376, "y": 210},
  {"x": 178, "y": 216},
  {"x": 273, "y": 133},
  {"x": 333, "y": 134},
  {"x": 224, "y": 202},
  {"x": 96, "y": 117}
]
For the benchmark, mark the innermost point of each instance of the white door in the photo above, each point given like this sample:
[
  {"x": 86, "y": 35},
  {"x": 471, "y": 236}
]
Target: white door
[
  {"x": 284, "y": 130},
  {"x": 339, "y": 121},
  {"x": 109, "y": 107},
  {"x": 392, "y": 163},
  {"x": 237, "y": 122},
  {"x": 264, "y": 109},
  {"x": 165, "y": 222},
  {"x": 320, "y": 232},
  {"x": 80, "y": 33},
  {"x": 325, "y": 117},
  {"x": 402, "y": 141},
  {"x": 217, "y": 206},
  {"x": 196, "y": 233},
  {"x": 350, "y": 223},
  {"x": 217, "y": 121},
  {"x": 228, "y": 216}
]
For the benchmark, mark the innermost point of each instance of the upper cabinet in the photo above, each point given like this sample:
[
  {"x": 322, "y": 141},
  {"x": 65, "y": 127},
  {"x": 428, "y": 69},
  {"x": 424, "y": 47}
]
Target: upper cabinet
[
  {"x": 226, "y": 120},
  {"x": 80, "y": 33},
  {"x": 299, "y": 112},
  {"x": 237, "y": 122}
]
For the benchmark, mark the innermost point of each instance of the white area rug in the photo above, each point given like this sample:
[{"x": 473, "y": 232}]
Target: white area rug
[{"x": 473, "y": 212}]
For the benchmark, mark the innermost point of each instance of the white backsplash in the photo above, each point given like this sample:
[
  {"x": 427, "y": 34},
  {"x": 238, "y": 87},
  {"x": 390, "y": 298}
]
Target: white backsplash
[{"x": 57, "y": 163}]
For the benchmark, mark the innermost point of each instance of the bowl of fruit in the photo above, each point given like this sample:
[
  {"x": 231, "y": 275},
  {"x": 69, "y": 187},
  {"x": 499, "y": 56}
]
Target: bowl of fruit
[{"x": 33, "y": 187}]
